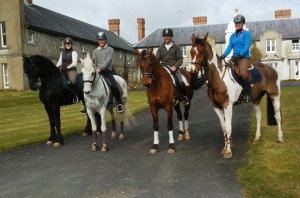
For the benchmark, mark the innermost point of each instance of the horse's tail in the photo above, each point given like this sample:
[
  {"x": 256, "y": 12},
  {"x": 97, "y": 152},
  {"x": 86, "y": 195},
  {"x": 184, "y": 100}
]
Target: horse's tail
[
  {"x": 270, "y": 113},
  {"x": 129, "y": 120}
]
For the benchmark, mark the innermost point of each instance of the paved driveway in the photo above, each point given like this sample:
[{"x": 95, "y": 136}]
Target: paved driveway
[{"x": 197, "y": 169}]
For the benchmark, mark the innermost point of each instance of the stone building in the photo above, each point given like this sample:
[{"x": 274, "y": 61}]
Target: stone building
[
  {"x": 275, "y": 42},
  {"x": 27, "y": 29}
]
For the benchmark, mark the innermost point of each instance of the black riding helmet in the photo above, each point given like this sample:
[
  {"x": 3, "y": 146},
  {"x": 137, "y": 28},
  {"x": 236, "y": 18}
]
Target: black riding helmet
[
  {"x": 101, "y": 35},
  {"x": 68, "y": 40},
  {"x": 167, "y": 32},
  {"x": 239, "y": 19}
]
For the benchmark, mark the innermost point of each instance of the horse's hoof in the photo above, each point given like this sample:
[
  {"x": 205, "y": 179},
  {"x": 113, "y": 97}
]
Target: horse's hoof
[
  {"x": 84, "y": 134},
  {"x": 153, "y": 149},
  {"x": 104, "y": 149},
  {"x": 180, "y": 137},
  {"x": 56, "y": 144},
  {"x": 280, "y": 141},
  {"x": 187, "y": 135},
  {"x": 255, "y": 141},
  {"x": 121, "y": 137},
  {"x": 171, "y": 149},
  {"x": 113, "y": 135},
  {"x": 49, "y": 142},
  {"x": 227, "y": 155},
  {"x": 94, "y": 147}
]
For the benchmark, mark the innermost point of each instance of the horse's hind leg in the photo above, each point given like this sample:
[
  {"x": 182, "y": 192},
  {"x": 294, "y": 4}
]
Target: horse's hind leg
[
  {"x": 113, "y": 124},
  {"x": 257, "y": 110},
  {"x": 186, "y": 122},
  {"x": 180, "y": 127},
  {"x": 171, "y": 147},
  {"x": 276, "y": 105},
  {"x": 104, "y": 147}
]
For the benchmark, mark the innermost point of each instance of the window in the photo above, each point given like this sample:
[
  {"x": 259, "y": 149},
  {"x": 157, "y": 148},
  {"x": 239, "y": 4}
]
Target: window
[
  {"x": 183, "y": 50},
  {"x": 274, "y": 65},
  {"x": 3, "y": 35},
  {"x": 61, "y": 44},
  {"x": 295, "y": 45},
  {"x": 120, "y": 55},
  {"x": 297, "y": 70},
  {"x": 271, "y": 45},
  {"x": 5, "y": 76},
  {"x": 82, "y": 49},
  {"x": 30, "y": 37}
]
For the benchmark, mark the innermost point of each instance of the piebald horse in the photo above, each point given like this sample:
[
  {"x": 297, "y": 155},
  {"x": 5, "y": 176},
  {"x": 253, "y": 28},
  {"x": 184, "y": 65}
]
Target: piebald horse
[
  {"x": 161, "y": 93},
  {"x": 223, "y": 90}
]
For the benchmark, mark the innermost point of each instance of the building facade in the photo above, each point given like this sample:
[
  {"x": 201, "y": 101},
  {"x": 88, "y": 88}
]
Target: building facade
[
  {"x": 27, "y": 29},
  {"x": 275, "y": 42}
]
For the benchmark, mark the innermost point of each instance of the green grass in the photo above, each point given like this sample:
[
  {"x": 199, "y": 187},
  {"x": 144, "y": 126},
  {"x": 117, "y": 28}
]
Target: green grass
[
  {"x": 24, "y": 121},
  {"x": 273, "y": 168}
]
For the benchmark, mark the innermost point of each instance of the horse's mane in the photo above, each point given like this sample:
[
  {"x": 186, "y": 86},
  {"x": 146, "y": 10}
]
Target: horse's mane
[
  {"x": 145, "y": 53},
  {"x": 44, "y": 62}
]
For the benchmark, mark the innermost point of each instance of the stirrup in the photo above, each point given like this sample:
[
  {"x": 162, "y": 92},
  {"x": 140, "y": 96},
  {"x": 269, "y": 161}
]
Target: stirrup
[
  {"x": 185, "y": 101},
  {"x": 83, "y": 110},
  {"x": 120, "y": 108}
]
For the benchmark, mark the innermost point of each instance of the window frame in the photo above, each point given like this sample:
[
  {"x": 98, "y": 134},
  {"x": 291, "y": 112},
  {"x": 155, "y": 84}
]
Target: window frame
[
  {"x": 3, "y": 35},
  {"x": 30, "y": 37},
  {"x": 5, "y": 77},
  {"x": 183, "y": 50},
  {"x": 271, "y": 46},
  {"x": 295, "y": 45}
]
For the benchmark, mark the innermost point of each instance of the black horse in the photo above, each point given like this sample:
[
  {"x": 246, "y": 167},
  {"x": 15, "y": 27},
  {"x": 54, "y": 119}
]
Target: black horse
[{"x": 43, "y": 74}]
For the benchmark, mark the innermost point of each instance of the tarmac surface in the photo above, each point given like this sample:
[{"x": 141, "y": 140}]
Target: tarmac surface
[{"x": 197, "y": 169}]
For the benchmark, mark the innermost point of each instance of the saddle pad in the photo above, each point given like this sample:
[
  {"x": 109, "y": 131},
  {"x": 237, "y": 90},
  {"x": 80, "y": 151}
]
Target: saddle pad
[
  {"x": 66, "y": 82},
  {"x": 255, "y": 75},
  {"x": 173, "y": 79}
]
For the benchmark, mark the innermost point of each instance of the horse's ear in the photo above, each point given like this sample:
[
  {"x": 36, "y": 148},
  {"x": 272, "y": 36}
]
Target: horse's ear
[
  {"x": 88, "y": 56},
  {"x": 193, "y": 38},
  {"x": 204, "y": 38},
  {"x": 150, "y": 51},
  {"x": 137, "y": 52}
]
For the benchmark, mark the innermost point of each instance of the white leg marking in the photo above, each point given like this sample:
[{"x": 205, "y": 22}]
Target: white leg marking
[
  {"x": 171, "y": 138},
  {"x": 156, "y": 140}
]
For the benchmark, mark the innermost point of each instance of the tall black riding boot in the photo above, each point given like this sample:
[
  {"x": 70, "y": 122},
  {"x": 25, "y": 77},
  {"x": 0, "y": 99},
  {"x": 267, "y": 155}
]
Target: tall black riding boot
[
  {"x": 117, "y": 95},
  {"x": 185, "y": 99},
  {"x": 248, "y": 89},
  {"x": 75, "y": 93}
]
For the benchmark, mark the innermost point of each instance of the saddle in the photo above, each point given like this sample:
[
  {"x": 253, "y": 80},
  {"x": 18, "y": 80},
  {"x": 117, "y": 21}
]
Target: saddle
[
  {"x": 253, "y": 74},
  {"x": 109, "y": 84},
  {"x": 66, "y": 82}
]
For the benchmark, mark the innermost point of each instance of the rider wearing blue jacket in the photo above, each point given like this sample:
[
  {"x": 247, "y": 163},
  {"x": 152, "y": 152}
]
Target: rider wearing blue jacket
[{"x": 240, "y": 43}]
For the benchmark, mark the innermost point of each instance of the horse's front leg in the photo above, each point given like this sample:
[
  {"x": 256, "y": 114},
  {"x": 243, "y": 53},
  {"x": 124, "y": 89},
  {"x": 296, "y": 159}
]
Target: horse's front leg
[
  {"x": 59, "y": 138},
  {"x": 52, "y": 136},
  {"x": 171, "y": 148},
  {"x": 223, "y": 118},
  {"x": 257, "y": 110},
  {"x": 228, "y": 129},
  {"x": 186, "y": 121},
  {"x": 92, "y": 118},
  {"x": 154, "y": 113},
  {"x": 102, "y": 112}
]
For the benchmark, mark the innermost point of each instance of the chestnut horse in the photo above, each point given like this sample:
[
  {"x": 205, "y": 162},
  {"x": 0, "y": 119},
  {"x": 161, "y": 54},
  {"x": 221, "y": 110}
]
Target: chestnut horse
[
  {"x": 161, "y": 93},
  {"x": 224, "y": 90}
]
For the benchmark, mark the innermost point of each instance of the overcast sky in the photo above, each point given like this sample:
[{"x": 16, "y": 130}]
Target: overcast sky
[{"x": 165, "y": 13}]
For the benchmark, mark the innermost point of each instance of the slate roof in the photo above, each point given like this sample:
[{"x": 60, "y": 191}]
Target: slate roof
[
  {"x": 289, "y": 28},
  {"x": 45, "y": 20}
]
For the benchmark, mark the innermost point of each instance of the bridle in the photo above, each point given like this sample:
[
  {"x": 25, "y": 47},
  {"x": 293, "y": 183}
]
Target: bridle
[{"x": 92, "y": 81}]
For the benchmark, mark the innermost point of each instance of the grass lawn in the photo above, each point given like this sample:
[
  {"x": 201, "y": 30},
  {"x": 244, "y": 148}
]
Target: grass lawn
[
  {"x": 24, "y": 121},
  {"x": 273, "y": 168}
]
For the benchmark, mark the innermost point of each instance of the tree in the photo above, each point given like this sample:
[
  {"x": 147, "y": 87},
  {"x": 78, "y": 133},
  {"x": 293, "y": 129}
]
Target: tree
[{"x": 256, "y": 55}]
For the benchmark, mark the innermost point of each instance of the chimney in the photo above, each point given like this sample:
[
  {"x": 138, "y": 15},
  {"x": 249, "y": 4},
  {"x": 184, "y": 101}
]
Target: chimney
[
  {"x": 28, "y": 2},
  {"x": 114, "y": 26},
  {"x": 285, "y": 13},
  {"x": 200, "y": 20},
  {"x": 141, "y": 28}
]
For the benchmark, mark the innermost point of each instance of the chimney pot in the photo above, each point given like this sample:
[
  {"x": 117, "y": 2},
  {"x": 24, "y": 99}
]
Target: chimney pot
[
  {"x": 200, "y": 20},
  {"x": 284, "y": 13},
  {"x": 114, "y": 26},
  {"x": 141, "y": 28}
]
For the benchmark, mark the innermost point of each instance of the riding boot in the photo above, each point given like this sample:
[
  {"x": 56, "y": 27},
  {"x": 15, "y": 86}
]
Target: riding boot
[
  {"x": 185, "y": 99},
  {"x": 248, "y": 89},
  {"x": 75, "y": 92},
  {"x": 117, "y": 95}
]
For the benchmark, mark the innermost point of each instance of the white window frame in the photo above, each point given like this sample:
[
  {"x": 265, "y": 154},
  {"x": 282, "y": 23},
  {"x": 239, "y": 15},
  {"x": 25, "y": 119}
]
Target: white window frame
[
  {"x": 295, "y": 45},
  {"x": 3, "y": 35},
  {"x": 183, "y": 50},
  {"x": 297, "y": 70},
  {"x": 120, "y": 55},
  {"x": 82, "y": 48},
  {"x": 5, "y": 76},
  {"x": 270, "y": 45},
  {"x": 61, "y": 44},
  {"x": 30, "y": 37}
]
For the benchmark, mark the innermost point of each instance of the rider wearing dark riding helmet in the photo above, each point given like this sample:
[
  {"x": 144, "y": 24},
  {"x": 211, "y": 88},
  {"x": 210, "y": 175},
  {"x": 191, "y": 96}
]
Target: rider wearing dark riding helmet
[
  {"x": 67, "y": 63},
  {"x": 170, "y": 55},
  {"x": 102, "y": 58},
  {"x": 240, "y": 43}
]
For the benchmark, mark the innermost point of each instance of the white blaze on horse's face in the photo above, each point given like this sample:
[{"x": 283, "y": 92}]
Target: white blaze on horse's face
[
  {"x": 88, "y": 74},
  {"x": 192, "y": 67}
]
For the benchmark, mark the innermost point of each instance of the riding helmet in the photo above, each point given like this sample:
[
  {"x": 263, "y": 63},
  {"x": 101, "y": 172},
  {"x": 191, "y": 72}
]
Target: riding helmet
[
  {"x": 167, "y": 32},
  {"x": 239, "y": 19},
  {"x": 68, "y": 40},
  {"x": 101, "y": 35}
]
